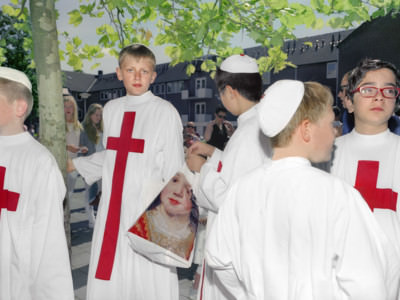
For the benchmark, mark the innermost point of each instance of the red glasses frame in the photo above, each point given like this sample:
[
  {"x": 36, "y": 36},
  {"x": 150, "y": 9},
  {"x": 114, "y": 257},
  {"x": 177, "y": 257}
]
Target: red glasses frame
[{"x": 381, "y": 90}]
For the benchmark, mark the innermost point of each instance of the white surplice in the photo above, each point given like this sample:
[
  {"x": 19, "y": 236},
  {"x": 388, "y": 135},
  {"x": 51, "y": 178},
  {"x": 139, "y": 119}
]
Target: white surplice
[
  {"x": 34, "y": 259},
  {"x": 247, "y": 149},
  {"x": 158, "y": 124},
  {"x": 290, "y": 231},
  {"x": 384, "y": 150}
]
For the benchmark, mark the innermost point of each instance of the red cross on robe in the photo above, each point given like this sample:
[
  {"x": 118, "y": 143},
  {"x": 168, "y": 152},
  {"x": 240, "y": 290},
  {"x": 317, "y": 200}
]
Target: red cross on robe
[
  {"x": 366, "y": 180},
  {"x": 8, "y": 199},
  {"x": 123, "y": 145}
]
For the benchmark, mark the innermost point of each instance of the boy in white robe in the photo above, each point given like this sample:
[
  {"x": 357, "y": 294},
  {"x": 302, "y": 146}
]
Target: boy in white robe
[
  {"x": 240, "y": 85},
  {"x": 290, "y": 231},
  {"x": 34, "y": 258},
  {"x": 143, "y": 141},
  {"x": 368, "y": 157}
]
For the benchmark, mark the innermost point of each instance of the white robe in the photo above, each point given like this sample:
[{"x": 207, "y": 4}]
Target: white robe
[
  {"x": 289, "y": 231},
  {"x": 158, "y": 123},
  {"x": 34, "y": 259},
  {"x": 247, "y": 149},
  {"x": 383, "y": 148}
]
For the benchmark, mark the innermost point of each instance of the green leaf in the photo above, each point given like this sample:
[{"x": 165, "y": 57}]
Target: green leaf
[{"x": 75, "y": 17}]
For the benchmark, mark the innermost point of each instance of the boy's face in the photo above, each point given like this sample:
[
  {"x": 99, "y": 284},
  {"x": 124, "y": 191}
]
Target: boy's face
[
  {"x": 137, "y": 74},
  {"x": 8, "y": 119},
  {"x": 322, "y": 137},
  {"x": 371, "y": 115}
]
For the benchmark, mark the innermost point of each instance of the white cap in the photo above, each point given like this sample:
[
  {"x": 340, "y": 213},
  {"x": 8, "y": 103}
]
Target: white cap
[
  {"x": 239, "y": 63},
  {"x": 278, "y": 105},
  {"x": 15, "y": 75}
]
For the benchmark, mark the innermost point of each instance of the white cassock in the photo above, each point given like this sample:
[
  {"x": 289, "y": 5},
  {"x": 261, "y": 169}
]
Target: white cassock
[
  {"x": 247, "y": 149},
  {"x": 152, "y": 151},
  {"x": 34, "y": 259},
  {"x": 371, "y": 163},
  {"x": 290, "y": 231}
]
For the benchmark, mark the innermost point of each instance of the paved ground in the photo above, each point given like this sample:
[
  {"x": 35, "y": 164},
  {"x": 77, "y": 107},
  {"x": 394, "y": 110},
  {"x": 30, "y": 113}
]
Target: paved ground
[{"x": 81, "y": 236}]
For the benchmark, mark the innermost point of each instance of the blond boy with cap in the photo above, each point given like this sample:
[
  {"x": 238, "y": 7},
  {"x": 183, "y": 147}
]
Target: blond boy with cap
[
  {"x": 290, "y": 231},
  {"x": 34, "y": 259},
  {"x": 240, "y": 86}
]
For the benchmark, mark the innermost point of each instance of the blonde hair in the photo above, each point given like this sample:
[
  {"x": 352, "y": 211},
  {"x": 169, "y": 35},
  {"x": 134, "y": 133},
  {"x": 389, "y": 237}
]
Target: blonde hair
[
  {"x": 75, "y": 121},
  {"x": 137, "y": 51},
  {"x": 317, "y": 98},
  {"x": 13, "y": 90},
  {"x": 90, "y": 128}
]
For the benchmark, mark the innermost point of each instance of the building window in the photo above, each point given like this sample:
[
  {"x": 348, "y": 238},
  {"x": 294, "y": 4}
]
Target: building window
[
  {"x": 174, "y": 87},
  {"x": 200, "y": 83},
  {"x": 331, "y": 70},
  {"x": 200, "y": 108}
]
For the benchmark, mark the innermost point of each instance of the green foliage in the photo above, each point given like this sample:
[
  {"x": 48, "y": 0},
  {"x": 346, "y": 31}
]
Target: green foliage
[
  {"x": 199, "y": 29},
  {"x": 15, "y": 48}
]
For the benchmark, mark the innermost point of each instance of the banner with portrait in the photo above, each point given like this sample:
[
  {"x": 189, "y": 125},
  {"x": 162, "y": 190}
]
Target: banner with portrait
[{"x": 166, "y": 231}]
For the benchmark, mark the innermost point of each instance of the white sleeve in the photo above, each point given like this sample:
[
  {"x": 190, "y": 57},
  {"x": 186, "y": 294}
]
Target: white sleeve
[
  {"x": 223, "y": 247},
  {"x": 362, "y": 268},
  {"x": 172, "y": 150},
  {"x": 90, "y": 167},
  {"x": 212, "y": 186},
  {"x": 50, "y": 270}
]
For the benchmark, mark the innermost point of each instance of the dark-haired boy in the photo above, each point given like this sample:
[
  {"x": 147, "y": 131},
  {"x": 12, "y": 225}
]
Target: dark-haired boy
[
  {"x": 369, "y": 157},
  {"x": 34, "y": 258},
  {"x": 240, "y": 85},
  {"x": 290, "y": 231},
  {"x": 143, "y": 141}
]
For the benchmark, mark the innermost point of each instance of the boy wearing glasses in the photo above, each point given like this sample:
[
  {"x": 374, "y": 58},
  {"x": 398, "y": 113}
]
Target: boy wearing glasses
[{"x": 369, "y": 157}]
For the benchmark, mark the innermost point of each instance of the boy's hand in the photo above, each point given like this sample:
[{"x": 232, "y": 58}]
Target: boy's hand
[
  {"x": 72, "y": 148},
  {"x": 83, "y": 150},
  {"x": 200, "y": 148},
  {"x": 70, "y": 166},
  {"x": 195, "y": 162}
]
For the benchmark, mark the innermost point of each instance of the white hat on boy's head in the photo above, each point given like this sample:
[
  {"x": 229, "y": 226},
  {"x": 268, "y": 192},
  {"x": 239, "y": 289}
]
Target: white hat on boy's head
[
  {"x": 278, "y": 105},
  {"x": 239, "y": 63},
  {"x": 15, "y": 75}
]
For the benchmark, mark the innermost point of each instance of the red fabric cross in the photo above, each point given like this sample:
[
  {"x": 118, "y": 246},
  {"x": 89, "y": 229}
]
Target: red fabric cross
[
  {"x": 219, "y": 168},
  {"x": 367, "y": 177},
  {"x": 8, "y": 199},
  {"x": 122, "y": 145}
]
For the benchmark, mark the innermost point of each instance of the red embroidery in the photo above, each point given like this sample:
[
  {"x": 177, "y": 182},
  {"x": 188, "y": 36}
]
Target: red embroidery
[
  {"x": 366, "y": 180},
  {"x": 123, "y": 145},
  {"x": 8, "y": 199},
  {"x": 219, "y": 168}
]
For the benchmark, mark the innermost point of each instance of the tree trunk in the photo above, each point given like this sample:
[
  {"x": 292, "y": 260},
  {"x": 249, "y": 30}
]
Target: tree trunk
[{"x": 48, "y": 71}]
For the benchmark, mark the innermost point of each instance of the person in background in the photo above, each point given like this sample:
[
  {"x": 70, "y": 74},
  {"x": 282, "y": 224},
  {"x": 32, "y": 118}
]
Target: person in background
[
  {"x": 92, "y": 138},
  {"x": 219, "y": 130},
  {"x": 73, "y": 130}
]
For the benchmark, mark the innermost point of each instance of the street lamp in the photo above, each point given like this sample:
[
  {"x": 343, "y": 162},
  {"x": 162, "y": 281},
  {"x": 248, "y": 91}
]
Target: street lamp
[{"x": 84, "y": 96}]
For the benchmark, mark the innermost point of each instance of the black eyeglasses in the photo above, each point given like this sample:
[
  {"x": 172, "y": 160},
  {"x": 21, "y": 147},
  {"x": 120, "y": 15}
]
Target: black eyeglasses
[
  {"x": 221, "y": 116},
  {"x": 371, "y": 91},
  {"x": 190, "y": 126}
]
